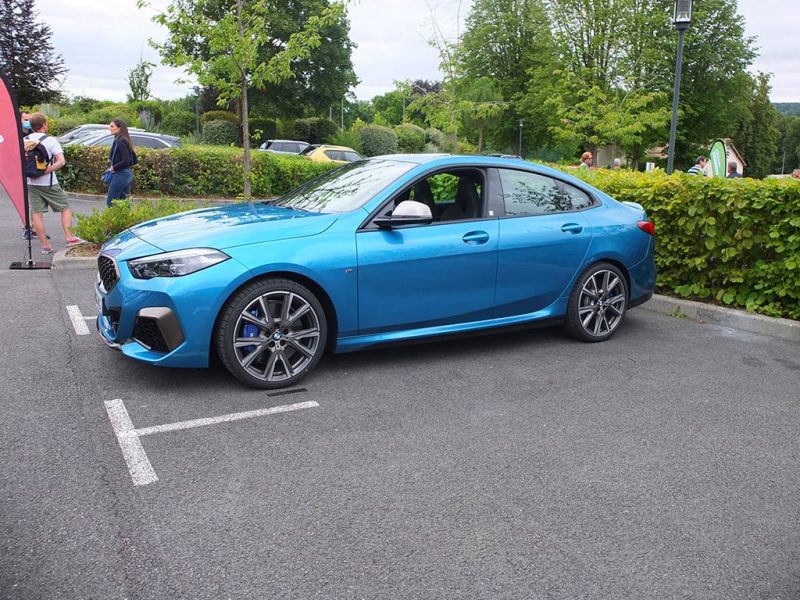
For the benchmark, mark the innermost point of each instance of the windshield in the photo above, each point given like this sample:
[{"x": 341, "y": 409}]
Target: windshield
[{"x": 346, "y": 188}]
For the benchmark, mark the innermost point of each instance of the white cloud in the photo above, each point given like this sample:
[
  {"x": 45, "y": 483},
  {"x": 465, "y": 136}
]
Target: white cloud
[{"x": 101, "y": 41}]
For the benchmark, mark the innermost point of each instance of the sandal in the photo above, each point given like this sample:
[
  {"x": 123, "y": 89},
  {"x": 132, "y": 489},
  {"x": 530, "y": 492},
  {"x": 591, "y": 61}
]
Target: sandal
[
  {"x": 47, "y": 250},
  {"x": 74, "y": 240}
]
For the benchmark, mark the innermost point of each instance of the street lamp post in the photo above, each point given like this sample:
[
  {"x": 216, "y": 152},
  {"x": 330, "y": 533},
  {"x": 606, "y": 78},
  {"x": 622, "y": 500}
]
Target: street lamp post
[
  {"x": 196, "y": 109},
  {"x": 681, "y": 18},
  {"x": 521, "y": 121}
]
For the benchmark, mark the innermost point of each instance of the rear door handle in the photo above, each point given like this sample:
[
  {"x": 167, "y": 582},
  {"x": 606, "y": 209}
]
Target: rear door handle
[
  {"x": 571, "y": 228},
  {"x": 475, "y": 237}
]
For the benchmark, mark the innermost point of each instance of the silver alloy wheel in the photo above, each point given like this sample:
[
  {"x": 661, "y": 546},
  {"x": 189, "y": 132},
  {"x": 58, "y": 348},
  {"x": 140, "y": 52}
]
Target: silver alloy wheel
[
  {"x": 602, "y": 303},
  {"x": 276, "y": 336}
]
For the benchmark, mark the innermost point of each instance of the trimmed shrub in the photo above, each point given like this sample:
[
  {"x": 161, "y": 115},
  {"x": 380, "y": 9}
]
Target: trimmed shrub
[
  {"x": 219, "y": 115},
  {"x": 64, "y": 124},
  {"x": 179, "y": 122},
  {"x": 192, "y": 171},
  {"x": 104, "y": 224},
  {"x": 735, "y": 242},
  {"x": 434, "y": 136},
  {"x": 377, "y": 140},
  {"x": 262, "y": 130},
  {"x": 220, "y": 133},
  {"x": 410, "y": 138},
  {"x": 313, "y": 130}
]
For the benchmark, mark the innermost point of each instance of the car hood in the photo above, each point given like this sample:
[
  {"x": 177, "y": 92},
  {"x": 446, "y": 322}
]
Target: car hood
[{"x": 233, "y": 225}]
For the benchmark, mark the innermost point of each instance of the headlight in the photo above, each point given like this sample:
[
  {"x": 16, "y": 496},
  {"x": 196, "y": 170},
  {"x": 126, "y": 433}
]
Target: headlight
[{"x": 175, "y": 264}]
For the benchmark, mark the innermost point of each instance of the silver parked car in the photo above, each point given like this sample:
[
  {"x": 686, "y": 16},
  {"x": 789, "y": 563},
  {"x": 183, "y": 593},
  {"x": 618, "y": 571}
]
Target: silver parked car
[
  {"x": 140, "y": 139},
  {"x": 86, "y": 130},
  {"x": 283, "y": 146}
]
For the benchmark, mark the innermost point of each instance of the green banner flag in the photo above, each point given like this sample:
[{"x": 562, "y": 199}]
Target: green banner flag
[{"x": 718, "y": 158}]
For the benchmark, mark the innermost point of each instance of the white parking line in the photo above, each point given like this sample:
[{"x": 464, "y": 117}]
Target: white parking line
[
  {"x": 78, "y": 320},
  {"x": 139, "y": 465}
]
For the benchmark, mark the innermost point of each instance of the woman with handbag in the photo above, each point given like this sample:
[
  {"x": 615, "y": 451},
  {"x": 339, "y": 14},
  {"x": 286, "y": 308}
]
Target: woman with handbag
[{"x": 121, "y": 157}]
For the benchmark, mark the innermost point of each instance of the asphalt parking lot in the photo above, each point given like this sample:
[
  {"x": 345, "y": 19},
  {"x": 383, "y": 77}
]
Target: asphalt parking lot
[{"x": 660, "y": 464}]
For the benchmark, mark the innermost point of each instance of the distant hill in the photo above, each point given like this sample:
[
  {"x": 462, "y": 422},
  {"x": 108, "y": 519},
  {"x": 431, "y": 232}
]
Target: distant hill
[{"x": 789, "y": 109}]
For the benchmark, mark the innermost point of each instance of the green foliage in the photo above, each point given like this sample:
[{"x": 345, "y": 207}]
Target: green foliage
[
  {"x": 735, "y": 242},
  {"x": 105, "y": 113},
  {"x": 410, "y": 138},
  {"x": 262, "y": 130},
  {"x": 199, "y": 172},
  {"x": 104, "y": 224},
  {"x": 349, "y": 138},
  {"x": 757, "y": 133},
  {"x": 434, "y": 136},
  {"x": 313, "y": 130},
  {"x": 220, "y": 133},
  {"x": 179, "y": 122},
  {"x": 139, "y": 80},
  {"x": 377, "y": 140},
  {"x": 219, "y": 115}
]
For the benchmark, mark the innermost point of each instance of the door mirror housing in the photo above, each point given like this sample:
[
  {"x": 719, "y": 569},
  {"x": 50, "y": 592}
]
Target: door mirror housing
[{"x": 408, "y": 212}]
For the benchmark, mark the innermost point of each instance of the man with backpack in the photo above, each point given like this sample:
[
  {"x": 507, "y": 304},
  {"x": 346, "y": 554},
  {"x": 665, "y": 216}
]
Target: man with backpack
[{"x": 43, "y": 157}]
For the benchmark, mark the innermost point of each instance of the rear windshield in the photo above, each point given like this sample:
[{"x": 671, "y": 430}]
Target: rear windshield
[{"x": 346, "y": 188}]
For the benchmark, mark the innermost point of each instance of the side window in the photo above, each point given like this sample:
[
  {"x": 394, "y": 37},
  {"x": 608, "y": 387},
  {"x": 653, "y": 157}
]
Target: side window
[
  {"x": 143, "y": 142},
  {"x": 530, "y": 194},
  {"x": 106, "y": 141},
  {"x": 443, "y": 187},
  {"x": 577, "y": 198}
]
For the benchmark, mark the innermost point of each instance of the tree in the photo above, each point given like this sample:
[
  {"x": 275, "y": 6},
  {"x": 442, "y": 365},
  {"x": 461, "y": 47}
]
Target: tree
[
  {"x": 220, "y": 42},
  {"x": 482, "y": 105},
  {"x": 788, "y": 153},
  {"x": 139, "y": 80},
  {"x": 757, "y": 134},
  {"x": 509, "y": 41},
  {"x": 319, "y": 81},
  {"x": 27, "y": 56}
]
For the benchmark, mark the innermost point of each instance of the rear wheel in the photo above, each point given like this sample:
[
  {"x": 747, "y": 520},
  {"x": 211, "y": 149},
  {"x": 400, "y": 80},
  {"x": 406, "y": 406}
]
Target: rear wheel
[
  {"x": 271, "y": 334},
  {"x": 597, "y": 304}
]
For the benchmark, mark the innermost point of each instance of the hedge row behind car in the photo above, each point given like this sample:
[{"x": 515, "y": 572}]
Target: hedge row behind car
[
  {"x": 736, "y": 242},
  {"x": 192, "y": 172}
]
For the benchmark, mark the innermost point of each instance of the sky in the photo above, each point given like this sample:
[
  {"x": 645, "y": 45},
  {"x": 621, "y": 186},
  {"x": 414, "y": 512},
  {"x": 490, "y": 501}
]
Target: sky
[{"x": 101, "y": 40}]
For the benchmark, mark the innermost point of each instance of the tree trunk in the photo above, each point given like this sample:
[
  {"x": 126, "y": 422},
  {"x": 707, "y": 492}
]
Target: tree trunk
[
  {"x": 480, "y": 138},
  {"x": 245, "y": 111}
]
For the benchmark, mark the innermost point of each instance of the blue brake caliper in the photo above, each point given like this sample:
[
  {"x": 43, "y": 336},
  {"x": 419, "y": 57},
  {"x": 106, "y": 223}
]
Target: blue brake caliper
[{"x": 251, "y": 331}]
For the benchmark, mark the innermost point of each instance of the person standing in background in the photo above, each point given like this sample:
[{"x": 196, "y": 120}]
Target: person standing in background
[
  {"x": 699, "y": 167},
  {"x": 122, "y": 158},
  {"x": 44, "y": 193},
  {"x": 732, "y": 170},
  {"x": 586, "y": 160}
]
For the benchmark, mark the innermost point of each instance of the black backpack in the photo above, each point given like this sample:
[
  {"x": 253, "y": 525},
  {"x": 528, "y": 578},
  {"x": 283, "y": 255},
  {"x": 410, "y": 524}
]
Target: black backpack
[{"x": 37, "y": 158}]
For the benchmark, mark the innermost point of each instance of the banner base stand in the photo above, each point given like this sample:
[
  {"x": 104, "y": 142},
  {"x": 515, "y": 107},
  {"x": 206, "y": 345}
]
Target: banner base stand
[{"x": 30, "y": 265}]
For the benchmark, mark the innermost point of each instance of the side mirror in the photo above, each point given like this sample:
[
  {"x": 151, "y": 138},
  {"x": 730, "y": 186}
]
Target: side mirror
[{"x": 408, "y": 212}]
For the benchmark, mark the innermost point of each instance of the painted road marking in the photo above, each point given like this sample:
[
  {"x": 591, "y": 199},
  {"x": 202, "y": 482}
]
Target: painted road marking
[
  {"x": 139, "y": 465},
  {"x": 78, "y": 320}
]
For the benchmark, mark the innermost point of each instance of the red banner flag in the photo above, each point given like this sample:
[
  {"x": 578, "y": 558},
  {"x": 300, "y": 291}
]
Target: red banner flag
[{"x": 11, "y": 174}]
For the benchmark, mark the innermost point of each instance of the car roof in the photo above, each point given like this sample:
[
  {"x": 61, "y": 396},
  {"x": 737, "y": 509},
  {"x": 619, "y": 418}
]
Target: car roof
[
  {"x": 477, "y": 160},
  {"x": 331, "y": 147},
  {"x": 290, "y": 141}
]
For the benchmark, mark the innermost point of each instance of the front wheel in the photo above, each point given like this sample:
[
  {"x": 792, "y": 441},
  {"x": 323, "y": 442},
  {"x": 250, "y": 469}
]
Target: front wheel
[
  {"x": 271, "y": 333},
  {"x": 597, "y": 304}
]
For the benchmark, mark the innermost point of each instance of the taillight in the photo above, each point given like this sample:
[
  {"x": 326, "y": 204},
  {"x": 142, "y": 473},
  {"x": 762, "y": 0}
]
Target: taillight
[{"x": 647, "y": 227}]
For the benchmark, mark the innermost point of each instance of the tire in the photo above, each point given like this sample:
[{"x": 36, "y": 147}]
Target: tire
[
  {"x": 598, "y": 303},
  {"x": 288, "y": 329}
]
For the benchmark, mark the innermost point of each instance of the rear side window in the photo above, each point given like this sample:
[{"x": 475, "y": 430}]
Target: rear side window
[
  {"x": 577, "y": 198},
  {"x": 531, "y": 194}
]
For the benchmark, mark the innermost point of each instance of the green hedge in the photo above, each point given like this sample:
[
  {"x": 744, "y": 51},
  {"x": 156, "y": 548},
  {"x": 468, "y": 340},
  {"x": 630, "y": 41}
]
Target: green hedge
[
  {"x": 221, "y": 133},
  {"x": 735, "y": 242},
  {"x": 192, "y": 171}
]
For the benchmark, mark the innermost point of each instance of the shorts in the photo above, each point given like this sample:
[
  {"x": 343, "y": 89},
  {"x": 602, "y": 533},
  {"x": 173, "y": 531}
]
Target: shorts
[{"x": 42, "y": 197}]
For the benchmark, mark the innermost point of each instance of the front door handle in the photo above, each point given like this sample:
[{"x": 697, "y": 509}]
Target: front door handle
[
  {"x": 571, "y": 228},
  {"x": 475, "y": 237}
]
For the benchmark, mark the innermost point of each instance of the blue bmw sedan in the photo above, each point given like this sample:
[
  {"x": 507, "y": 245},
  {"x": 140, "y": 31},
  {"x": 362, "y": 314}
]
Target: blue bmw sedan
[{"x": 389, "y": 249}]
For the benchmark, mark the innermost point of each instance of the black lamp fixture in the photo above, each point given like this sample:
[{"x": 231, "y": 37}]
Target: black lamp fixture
[{"x": 681, "y": 19}]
